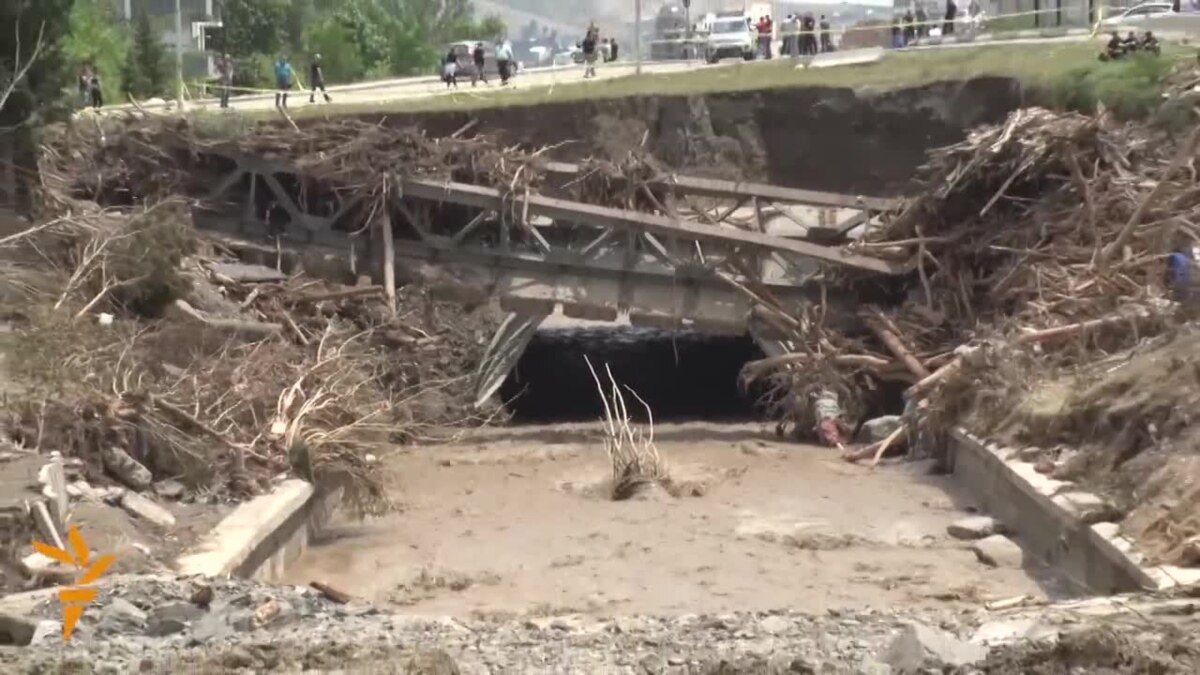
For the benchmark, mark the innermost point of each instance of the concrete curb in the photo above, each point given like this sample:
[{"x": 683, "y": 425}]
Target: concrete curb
[
  {"x": 1092, "y": 555},
  {"x": 262, "y": 536}
]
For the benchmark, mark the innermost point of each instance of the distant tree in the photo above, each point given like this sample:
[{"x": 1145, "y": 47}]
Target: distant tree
[
  {"x": 145, "y": 72},
  {"x": 340, "y": 56},
  {"x": 32, "y": 78},
  {"x": 97, "y": 36},
  {"x": 255, "y": 26}
]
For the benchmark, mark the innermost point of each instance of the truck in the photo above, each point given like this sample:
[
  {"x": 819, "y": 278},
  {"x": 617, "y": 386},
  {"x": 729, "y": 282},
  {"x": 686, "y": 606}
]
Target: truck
[{"x": 674, "y": 37}]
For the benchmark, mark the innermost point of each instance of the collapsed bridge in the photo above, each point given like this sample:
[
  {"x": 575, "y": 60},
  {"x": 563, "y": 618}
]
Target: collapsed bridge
[{"x": 597, "y": 241}]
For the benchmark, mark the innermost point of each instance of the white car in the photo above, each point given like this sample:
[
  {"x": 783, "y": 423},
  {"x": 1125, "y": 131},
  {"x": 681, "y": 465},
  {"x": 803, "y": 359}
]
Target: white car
[
  {"x": 730, "y": 37},
  {"x": 1139, "y": 14}
]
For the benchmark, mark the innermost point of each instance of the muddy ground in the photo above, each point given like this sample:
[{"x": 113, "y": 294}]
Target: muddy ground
[
  {"x": 819, "y": 138},
  {"x": 518, "y": 521}
]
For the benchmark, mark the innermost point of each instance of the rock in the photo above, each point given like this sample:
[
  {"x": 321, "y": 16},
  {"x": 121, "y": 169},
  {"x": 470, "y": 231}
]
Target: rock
[
  {"x": 775, "y": 625},
  {"x": 146, "y": 509},
  {"x": 1189, "y": 555},
  {"x": 172, "y": 618},
  {"x": 169, "y": 489},
  {"x": 210, "y": 628},
  {"x": 919, "y": 646},
  {"x": 126, "y": 469},
  {"x": 1087, "y": 507},
  {"x": 81, "y": 489},
  {"x": 202, "y": 596},
  {"x": 120, "y": 616},
  {"x": 879, "y": 428},
  {"x": 998, "y": 551},
  {"x": 431, "y": 662},
  {"x": 1030, "y": 453},
  {"x": 16, "y": 629},
  {"x": 975, "y": 527},
  {"x": 43, "y": 567},
  {"x": 48, "y": 630},
  {"x": 873, "y": 667}
]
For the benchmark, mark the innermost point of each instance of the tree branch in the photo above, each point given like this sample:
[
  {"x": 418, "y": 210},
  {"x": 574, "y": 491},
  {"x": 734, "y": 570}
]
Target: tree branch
[{"x": 20, "y": 71}]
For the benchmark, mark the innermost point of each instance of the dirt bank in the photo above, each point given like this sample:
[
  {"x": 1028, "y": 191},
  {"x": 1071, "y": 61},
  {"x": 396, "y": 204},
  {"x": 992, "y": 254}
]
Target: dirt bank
[{"x": 821, "y": 138}]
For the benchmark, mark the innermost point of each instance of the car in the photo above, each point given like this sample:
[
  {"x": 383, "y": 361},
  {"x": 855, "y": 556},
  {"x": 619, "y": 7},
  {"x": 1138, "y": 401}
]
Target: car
[
  {"x": 730, "y": 36},
  {"x": 1139, "y": 14}
]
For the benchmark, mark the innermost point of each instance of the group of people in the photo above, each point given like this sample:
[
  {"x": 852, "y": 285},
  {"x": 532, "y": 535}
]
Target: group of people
[
  {"x": 285, "y": 80},
  {"x": 1118, "y": 47},
  {"x": 477, "y": 67},
  {"x": 807, "y": 37},
  {"x": 89, "y": 86},
  {"x": 913, "y": 25}
]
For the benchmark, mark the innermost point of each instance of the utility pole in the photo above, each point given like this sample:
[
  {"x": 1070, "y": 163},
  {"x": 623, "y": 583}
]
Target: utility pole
[
  {"x": 637, "y": 35},
  {"x": 178, "y": 57}
]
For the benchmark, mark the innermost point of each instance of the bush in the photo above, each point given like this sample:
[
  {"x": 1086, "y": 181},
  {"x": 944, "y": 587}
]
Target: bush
[{"x": 1130, "y": 88}]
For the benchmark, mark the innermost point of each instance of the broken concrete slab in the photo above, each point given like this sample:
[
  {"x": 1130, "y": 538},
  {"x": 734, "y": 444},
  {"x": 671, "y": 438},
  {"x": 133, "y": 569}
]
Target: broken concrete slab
[
  {"x": 247, "y": 273},
  {"x": 125, "y": 468},
  {"x": 919, "y": 646},
  {"x": 1087, "y": 507},
  {"x": 974, "y": 527},
  {"x": 145, "y": 509},
  {"x": 16, "y": 629},
  {"x": 998, "y": 551},
  {"x": 120, "y": 616},
  {"x": 47, "y": 630},
  {"x": 169, "y": 489}
]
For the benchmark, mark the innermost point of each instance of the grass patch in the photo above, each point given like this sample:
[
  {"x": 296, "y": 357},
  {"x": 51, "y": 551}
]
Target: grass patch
[{"x": 1038, "y": 65}]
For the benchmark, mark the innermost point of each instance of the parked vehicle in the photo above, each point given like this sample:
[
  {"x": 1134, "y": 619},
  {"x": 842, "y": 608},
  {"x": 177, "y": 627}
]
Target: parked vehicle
[
  {"x": 1139, "y": 14},
  {"x": 730, "y": 35}
]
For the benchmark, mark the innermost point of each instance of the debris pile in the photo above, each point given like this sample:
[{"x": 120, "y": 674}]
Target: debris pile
[{"x": 146, "y": 354}]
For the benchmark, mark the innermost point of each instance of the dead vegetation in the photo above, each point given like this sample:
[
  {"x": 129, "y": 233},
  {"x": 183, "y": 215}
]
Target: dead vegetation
[
  {"x": 139, "y": 345},
  {"x": 636, "y": 464}
]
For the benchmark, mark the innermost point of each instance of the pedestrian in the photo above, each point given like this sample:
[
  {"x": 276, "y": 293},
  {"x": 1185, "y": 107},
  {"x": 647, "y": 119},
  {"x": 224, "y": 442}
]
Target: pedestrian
[
  {"x": 909, "y": 33},
  {"x": 450, "y": 69},
  {"x": 284, "y": 77},
  {"x": 951, "y": 14},
  {"x": 826, "y": 39},
  {"x": 97, "y": 95},
  {"x": 85, "y": 84},
  {"x": 922, "y": 22},
  {"x": 769, "y": 36},
  {"x": 897, "y": 37},
  {"x": 477, "y": 56},
  {"x": 612, "y": 44},
  {"x": 760, "y": 29},
  {"x": 808, "y": 26},
  {"x": 504, "y": 60},
  {"x": 589, "y": 51},
  {"x": 316, "y": 79},
  {"x": 225, "y": 78}
]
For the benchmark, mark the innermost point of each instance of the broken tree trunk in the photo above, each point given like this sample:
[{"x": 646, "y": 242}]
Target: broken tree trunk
[
  {"x": 253, "y": 328},
  {"x": 888, "y": 334},
  {"x": 389, "y": 259}
]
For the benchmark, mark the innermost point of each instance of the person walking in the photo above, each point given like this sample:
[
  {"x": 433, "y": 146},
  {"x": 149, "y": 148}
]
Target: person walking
[
  {"x": 225, "y": 78},
  {"x": 612, "y": 46},
  {"x": 922, "y": 22},
  {"x": 809, "y": 38},
  {"x": 504, "y": 58},
  {"x": 450, "y": 69},
  {"x": 85, "y": 85},
  {"x": 477, "y": 56},
  {"x": 284, "y": 78},
  {"x": 908, "y": 32},
  {"x": 590, "y": 41},
  {"x": 316, "y": 80},
  {"x": 826, "y": 40},
  {"x": 951, "y": 15}
]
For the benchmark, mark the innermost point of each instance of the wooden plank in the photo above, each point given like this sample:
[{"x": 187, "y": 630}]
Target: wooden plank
[
  {"x": 712, "y": 187},
  {"x": 484, "y": 197}
]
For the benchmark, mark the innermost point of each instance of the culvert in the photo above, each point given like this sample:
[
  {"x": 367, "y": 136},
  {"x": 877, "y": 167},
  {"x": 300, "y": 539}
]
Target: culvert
[{"x": 682, "y": 375}]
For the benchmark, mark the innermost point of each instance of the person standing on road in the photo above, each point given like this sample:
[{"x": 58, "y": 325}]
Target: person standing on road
[
  {"x": 316, "y": 77},
  {"x": 590, "y": 41},
  {"x": 922, "y": 22},
  {"x": 808, "y": 38},
  {"x": 612, "y": 45},
  {"x": 284, "y": 77},
  {"x": 450, "y": 69},
  {"x": 97, "y": 96},
  {"x": 909, "y": 32},
  {"x": 504, "y": 57},
  {"x": 477, "y": 57},
  {"x": 225, "y": 78},
  {"x": 951, "y": 15},
  {"x": 826, "y": 40}
]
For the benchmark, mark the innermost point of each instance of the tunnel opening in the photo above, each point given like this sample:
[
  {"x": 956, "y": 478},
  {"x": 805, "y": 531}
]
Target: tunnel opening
[{"x": 682, "y": 375}]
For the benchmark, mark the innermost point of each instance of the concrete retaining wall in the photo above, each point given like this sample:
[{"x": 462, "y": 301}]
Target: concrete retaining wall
[
  {"x": 262, "y": 536},
  {"x": 1094, "y": 556}
]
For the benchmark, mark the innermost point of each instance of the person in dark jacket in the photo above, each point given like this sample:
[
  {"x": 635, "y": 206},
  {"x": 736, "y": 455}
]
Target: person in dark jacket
[
  {"x": 922, "y": 22},
  {"x": 316, "y": 77},
  {"x": 477, "y": 57},
  {"x": 450, "y": 69},
  {"x": 826, "y": 39},
  {"x": 951, "y": 15}
]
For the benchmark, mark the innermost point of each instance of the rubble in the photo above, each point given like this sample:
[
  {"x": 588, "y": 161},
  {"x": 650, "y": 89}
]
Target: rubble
[
  {"x": 998, "y": 551},
  {"x": 975, "y": 527},
  {"x": 919, "y": 647},
  {"x": 145, "y": 509}
]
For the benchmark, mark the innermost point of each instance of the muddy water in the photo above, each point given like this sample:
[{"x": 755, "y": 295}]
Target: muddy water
[{"x": 515, "y": 521}]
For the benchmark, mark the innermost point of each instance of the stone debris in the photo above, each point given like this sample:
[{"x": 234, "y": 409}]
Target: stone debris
[
  {"x": 126, "y": 469},
  {"x": 145, "y": 509},
  {"x": 975, "y": 527},
  {"x": 998, "y": 551},
  {"x": 918, "y": 647},
  {"x": 877, "y": 429},
  {"x": 16, "y": 629},
  {"x": 1087, "y": 507},
  {"x": 169, "y": 488}
]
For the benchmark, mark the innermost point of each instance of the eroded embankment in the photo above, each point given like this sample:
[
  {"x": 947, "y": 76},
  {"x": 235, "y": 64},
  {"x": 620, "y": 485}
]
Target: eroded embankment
[{"x": 820, "y": 138}]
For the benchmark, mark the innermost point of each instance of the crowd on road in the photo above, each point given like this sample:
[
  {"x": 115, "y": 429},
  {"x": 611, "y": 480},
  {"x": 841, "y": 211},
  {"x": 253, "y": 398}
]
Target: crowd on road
[{"x": 912, "y": 26}]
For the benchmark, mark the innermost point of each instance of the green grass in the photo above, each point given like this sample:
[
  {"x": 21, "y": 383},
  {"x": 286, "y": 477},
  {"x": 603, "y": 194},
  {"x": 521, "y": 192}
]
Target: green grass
[{"x": 1043, "y": 67}]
